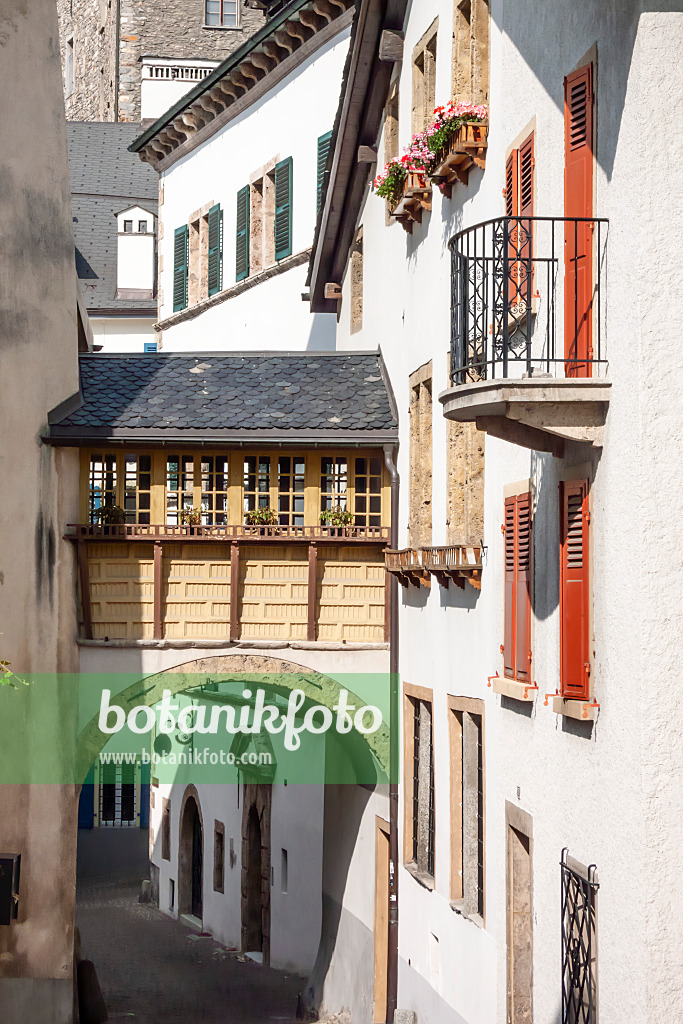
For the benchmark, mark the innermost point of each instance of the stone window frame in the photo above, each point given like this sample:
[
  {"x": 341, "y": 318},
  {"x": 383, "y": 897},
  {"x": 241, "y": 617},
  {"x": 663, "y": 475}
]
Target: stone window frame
[
  {"x": 70, "y": 66},
  {"x": 391, "y": 126},
  {"x": 262, "y": 217},
  {"x": 519, "y": 821},
  {"x": 218, "y": 861},
  {"x": 424, "y": 79},
  {"x": 426, "y": 778},
  {"x": 165, "y": 828},
  {"x": 356, "y": 280},
  {"x": 421, "y": 413},
  {"x": 468, "y": 822},
  {"x": 470, "y": 53}
]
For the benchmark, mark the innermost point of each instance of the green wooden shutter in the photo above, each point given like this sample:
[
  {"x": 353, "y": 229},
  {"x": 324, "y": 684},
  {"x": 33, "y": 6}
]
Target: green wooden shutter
[
  {"x": 323, "y": 151},
  {"x": 215, "y": 269},
  {"x": 180, "y": 268},
  {"x": 283, "y": 209},
  {"x": 242, "y": 235}
]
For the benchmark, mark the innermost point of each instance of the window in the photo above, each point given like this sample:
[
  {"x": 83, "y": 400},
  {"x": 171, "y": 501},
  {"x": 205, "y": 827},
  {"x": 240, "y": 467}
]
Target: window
[
  {"x": 574, "y": 591},
  {"x": 256, "y": 482},
  {"x": 367, "y": 500},
  {"x": 70, "y": 67},
  {"x": 290, "y": 490},
  {"x": 166, "y": 831},
  {"x": 465, "y": 456},
  {"x": 333, "y": 482},
  {"x": 142, "y": 227},
  {"x": 102, "y": 484},
  {"x": 579, "y": 942},
  {"x": 324, "y": 142},
  {"x": 357, "y": 282},
  {"x": 221, "y": 13},
  {"x": 418, "y": 850},
  {"x": 218, "y": 857},
  {"x": 150, "y": 346},
  {"x": 215, "y": 245},
  {"x": 424, "y": 79},
  {"x": 137, "y": 488},
  {"x": 284, "y": 872},
  {"x": 470, "y": 63},
  {"x": 420, "y": 512},
  {"x": 179, "y": 486},
  {"x": 214, "y": 500},
  {"x": 283, "y": 209},
  {"x": 466, "y": 729},
  {"x": 519, "y": 899},
  {"x": 180, "y": 267},
  {"x": 519, "y": 202},
  {"x": 578, "y": 202},
  {"x": 128, "y": 226},
  {"x": 517, "y": 628},
  {"x": 391, "y": 125}
]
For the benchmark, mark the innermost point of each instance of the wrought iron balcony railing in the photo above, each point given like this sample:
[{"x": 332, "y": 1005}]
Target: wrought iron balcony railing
[{"x": 526, "y": 297}]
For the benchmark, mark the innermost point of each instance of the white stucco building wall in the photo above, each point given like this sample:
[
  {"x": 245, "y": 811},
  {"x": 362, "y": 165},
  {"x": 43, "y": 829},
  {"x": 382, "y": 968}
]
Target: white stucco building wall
[
  {"x": 609, "y": 792},
  {"x": 265, "y": 311}
]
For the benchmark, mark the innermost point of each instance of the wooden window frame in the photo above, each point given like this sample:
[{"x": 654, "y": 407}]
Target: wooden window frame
[
  {"x": 211, "y": 514},
  {"x": 221, "y": 16},
  {"x": 464, "y": 894},
  {"x": 137, "y": 514},
  {"x": 411, "y": 695},
  {"x": 286, "y": 517},
  {"x": 367, "y": 494}
]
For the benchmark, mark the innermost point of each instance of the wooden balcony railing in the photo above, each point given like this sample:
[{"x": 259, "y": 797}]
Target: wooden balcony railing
[
  {"x": 272, "y": 583},
  {"x": 132, "y": 532},
  {"x": 454, "y": 562}
]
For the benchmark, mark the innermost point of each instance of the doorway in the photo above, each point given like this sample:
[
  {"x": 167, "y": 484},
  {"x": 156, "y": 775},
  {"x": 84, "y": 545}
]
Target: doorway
[
  {"x": 381, "y": 917},
  {"x": 256, "y": 810},
  {"x": 254, "y": 922},
  {"x": 191, "y": 857}
]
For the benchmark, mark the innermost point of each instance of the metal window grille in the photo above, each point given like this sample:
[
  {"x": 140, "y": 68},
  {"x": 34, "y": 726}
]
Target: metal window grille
[
  {"x": 416, "y": 774},
  {"x": 117, "y": 796},
  {"x": 579, "y": 976}
]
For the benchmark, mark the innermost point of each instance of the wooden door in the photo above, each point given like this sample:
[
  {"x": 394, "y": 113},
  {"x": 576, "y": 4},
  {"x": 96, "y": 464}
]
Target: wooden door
[
  {"x": 381, "y": 917},
  {"x": 578, "y": 237}
]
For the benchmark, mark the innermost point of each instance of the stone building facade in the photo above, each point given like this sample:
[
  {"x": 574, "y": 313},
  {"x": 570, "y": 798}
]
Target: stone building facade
[{"x": 103, "y": 43}]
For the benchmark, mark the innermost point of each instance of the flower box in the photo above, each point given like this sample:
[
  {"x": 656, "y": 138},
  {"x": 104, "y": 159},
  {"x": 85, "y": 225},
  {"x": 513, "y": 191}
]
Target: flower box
[
  {"x": 466, "y": 147},
  {"x": 417, "y": 196}
]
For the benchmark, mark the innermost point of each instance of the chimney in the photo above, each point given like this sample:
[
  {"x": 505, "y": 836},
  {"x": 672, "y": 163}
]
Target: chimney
[{"x": 135, "y": 254}]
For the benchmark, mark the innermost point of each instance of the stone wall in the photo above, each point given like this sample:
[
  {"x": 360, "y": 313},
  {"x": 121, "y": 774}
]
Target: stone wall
[
  {"x": 172, "y": 30},
  {"x": 465, "y": 483}
]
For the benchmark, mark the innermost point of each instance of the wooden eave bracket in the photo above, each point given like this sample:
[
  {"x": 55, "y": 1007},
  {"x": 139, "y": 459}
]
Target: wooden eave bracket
[{"x": 332, "y": 291}]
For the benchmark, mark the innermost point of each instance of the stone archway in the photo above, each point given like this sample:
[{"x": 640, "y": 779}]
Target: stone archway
[
  {"x": 191, "y": 855},
  {"x": 255, "y": 879}
]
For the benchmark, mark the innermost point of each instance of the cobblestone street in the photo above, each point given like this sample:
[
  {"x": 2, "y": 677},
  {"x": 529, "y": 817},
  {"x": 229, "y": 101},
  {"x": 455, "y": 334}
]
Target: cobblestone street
[{"x": 153, "y": 970}]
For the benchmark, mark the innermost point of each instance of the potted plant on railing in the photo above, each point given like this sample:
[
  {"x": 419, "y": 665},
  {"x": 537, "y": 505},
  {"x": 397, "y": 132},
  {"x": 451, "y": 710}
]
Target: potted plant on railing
[
  {"x": 110, "y": 514},
  {"x": 261, "y": 517},
  {"x": 338, "y": 517},
  {"x": 191, "y": 517}
]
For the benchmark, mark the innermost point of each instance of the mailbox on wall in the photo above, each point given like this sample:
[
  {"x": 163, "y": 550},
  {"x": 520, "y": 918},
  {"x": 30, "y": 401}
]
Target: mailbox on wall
[{"x": 9, "y": 887}]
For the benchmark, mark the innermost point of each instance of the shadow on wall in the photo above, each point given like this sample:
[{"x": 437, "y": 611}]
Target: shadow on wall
[{"x": 322, "y": 337}]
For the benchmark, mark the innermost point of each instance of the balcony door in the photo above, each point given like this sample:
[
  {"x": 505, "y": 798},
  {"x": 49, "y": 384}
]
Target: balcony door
[{"x": 578, "y": 237}]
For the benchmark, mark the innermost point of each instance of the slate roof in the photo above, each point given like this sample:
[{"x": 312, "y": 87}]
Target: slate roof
[
  {"x": 105, "y": 179},
  {"x": 228, "y": 397}
]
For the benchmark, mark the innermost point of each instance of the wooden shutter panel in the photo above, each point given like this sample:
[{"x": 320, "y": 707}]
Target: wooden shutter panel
[
  {"x": 242, "y": 235},
  {"x": 215, "y": 265},
  {"x": 283, "y": 209},
  {"x": 510, "y": 597},
  {"x": 522, "y": 653},
  {"x": 180, "y": 243},
  {"x": 574, "y": 591},
  {"x": 323, "y": 152},
  {"x": 512, "y": 210},
  {"x": 578, "y": 239}
]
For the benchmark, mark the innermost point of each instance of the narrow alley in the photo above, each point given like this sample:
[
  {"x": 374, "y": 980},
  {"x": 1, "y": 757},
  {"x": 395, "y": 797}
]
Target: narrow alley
[{"x": 152, "y": 969}]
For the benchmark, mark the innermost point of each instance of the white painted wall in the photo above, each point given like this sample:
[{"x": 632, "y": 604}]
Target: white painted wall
[
  {"x": 613, "y": 798},
  {"x": 123, "y": 334},
  {"x": 287, "y": 121},
  {"x": 165, "y": 81}
]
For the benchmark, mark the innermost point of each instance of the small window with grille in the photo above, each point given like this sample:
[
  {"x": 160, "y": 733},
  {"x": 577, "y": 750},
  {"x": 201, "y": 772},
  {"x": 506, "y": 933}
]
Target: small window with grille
[
  {"x": 179, "y": 486},
  {"x": 579, "y": 941},
  {"x": 368, "y": 492},
  {"x": 102, "y": 484},
  {"x": 214, "y": 469},
  {"x": 256, "y": 482},
  {"x": 333, "y": 482},
  {"x": 290, "y": 490},
  {"x": 466, "y": 728},
  {"x": 221, "y": 14},
  {"x": 137, "y": 487},
  {"x": 419, "y": 790}
]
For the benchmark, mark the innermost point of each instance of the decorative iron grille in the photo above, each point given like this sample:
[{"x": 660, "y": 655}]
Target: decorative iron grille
[
  {"x": 579, "y": 952},
  {"x": 526, "y": 296}
]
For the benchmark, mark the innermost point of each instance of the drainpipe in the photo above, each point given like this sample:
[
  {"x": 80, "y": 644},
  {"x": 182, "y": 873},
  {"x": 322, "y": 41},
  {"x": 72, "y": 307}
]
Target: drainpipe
[
  {"x": 392, "y": 961},
  {"x": 117, "y": 58}
]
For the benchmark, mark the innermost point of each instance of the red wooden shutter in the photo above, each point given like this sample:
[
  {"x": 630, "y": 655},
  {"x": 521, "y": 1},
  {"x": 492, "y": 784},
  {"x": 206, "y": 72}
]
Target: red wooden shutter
[
  {"x": 578, "y": 237},
  {"x": 512, "y": 210},
  {"x": 523, "y": 587},
  {"x": 526, "y": 209},
  {"x": 574, "y": 591},
  {"x": 510, "y": 597}
]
